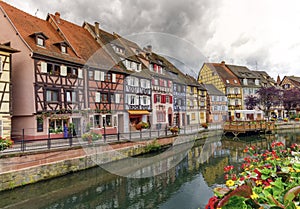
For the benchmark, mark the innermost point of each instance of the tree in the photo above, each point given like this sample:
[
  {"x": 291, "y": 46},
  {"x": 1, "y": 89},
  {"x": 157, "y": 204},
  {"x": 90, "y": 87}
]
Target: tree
[
  {"x": 291, "y": 99},
  {"x": 251, "y": 101},
  {"x": 269, "y": 97}
]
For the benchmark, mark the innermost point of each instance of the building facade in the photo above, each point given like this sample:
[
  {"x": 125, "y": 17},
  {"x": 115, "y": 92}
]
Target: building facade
[
  {"x": 224, "y": 80},
  {"x": 5, "y": 89}
]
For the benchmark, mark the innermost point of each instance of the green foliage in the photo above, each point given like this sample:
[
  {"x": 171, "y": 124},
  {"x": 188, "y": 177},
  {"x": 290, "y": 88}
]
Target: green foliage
[
  {"x": 153, "y": 146},
  {"x": 5, "y": 143}
]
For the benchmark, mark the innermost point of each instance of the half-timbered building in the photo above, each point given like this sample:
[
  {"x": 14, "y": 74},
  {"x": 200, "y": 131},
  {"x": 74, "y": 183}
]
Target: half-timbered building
[
  {"x": 5, "y": 88},
  {"x": 104, "y": 78},
  {"x": 47, "y": 75},
  {"x": 137, "y": 85}
]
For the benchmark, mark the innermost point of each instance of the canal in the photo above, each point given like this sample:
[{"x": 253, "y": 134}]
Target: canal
[{"x": 188, "y": 185}]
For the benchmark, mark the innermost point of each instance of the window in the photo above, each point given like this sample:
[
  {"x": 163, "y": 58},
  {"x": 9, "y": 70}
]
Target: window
[
  {"x": 80, "y": 73},
  {"x": 63, "y": 70},
  {"x": 145, "y": 100},
  {"x": 97, "y": 121},
  {"x": 117, "y": 98},
  {"x": 91, "y": 74},
  {"x": 52, "y": 95},
  {"x": 245, "y": 81},
  {"x": 151, "y": 67},
  {"x": 132, "y": 100},
  {"x": 107, "y": 120},
  {"x": 193, "y": 116},
  {"x": 71, "y": 96},
  {"x": 44, "y": 67},
  {"x": 104, "y": 97},
  {"x": 63, "y": 49},
  {"x": 235, "y": 81},
  {"x": 40, "y": 124},
  {"x": 227, "y": 81},
  {"x": 256, "y": 82},
  {"x": 72, "y": 72},
  {"x": 97, "y": 97},
  {"x": 108, "y": 77},
  {"x": 40, "y": 41},
  {"x": 167, "y": 99},
  {"x": 114, "y": 78},
  {"x": 158, "y": 98}
]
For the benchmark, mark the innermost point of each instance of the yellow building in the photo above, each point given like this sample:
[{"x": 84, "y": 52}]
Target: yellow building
[
  {"x": 195, "y": 101},
  {"x": 224, "y": 80},
  {"x": 5, "y": 89}
]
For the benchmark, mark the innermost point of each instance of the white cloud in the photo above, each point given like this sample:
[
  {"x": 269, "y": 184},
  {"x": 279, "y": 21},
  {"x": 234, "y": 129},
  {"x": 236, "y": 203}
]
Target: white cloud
[{"x": 257, "y": 33}]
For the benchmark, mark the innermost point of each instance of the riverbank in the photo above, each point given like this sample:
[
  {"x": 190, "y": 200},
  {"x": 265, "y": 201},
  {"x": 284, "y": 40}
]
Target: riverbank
[{"x": 20, "y": 169}]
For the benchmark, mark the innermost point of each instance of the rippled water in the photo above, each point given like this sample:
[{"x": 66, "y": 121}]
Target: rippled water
[{"x": 185, "y": 186}]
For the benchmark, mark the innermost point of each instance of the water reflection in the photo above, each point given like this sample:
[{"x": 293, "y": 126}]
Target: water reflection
[{"x": 186, "y": 186}]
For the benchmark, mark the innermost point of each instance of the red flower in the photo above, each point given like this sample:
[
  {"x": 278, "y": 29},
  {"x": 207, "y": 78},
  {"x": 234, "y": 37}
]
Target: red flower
[{"x": 211, "y": 203}]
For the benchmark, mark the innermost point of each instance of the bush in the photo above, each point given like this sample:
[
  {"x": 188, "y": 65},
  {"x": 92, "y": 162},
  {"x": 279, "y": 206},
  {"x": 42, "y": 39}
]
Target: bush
[{"x": 5, "y": 143}]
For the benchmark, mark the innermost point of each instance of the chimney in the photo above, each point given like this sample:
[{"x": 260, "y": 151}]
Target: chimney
[
  {"x": 223, "y": 62},
  {"x": 57, "y": 17},
  {"x": 97, "y": 29},
  {"x": 149, "y": 48},
  {"x": 278, "y": 80}
]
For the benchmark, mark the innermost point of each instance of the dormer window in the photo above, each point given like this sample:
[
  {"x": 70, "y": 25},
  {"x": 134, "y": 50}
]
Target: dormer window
[
  {"x": 63, "y": 46},
  {"x": 227, "y": 81},
  {"x": 234, "y": 81},
  {"x": 63, "y": 49},
  {"x": 40, "y": 41},
  {"x": 118, "y": 49},
  {"x": 40, "y": 38}
]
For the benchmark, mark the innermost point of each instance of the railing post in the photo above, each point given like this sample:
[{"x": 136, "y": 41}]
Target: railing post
[
  {"x": 118, "y": 136},
  {"x": 166, "y": 130},
  {"x": 70, "y": 140},
  {"x": 150, "y": 133},
  {"x": 48, "y": 140},
  {"x": 140, "y": 133},
  {"x": 129, "y": 134},
  {"x": 23, "y": 141}
]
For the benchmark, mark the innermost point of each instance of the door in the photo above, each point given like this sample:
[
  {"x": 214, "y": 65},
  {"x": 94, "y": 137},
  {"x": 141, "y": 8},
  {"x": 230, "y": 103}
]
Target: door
[
  {"x": 121, "y": 123},
  {"x": 77, "y": 126},
  {"x": 188, "y": 119}
]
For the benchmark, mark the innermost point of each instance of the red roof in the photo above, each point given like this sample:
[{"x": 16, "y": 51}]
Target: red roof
[
  {"x": 82, "y": 42},
  {"x": 27, "y": 25}
]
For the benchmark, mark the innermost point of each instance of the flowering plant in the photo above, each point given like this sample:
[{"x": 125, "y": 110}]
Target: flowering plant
[
  {"x": 5, "y": 143},
  {"x": 268, "y": 179}
]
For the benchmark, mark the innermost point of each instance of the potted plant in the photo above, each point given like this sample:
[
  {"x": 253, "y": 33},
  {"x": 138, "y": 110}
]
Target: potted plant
[
  {"x": 174, "y": 129},
  {"x": 204, "y": 125}
]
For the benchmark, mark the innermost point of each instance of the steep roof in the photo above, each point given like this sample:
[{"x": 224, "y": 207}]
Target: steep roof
[
  {"x": 193, "y": 82},
  {"x": 212, "y": 90},
  {"x": 242, "y": 71},
  {"x": 229, "y": 79},
  {"x": 265, "y": 78},
  {"x": 295, "y": 80},
  {"x": 82, "y": 42},
  {"x": 28, "y": 25}
]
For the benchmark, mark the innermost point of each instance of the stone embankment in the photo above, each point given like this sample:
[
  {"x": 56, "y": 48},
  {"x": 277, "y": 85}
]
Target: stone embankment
[{"x": 26, "y": 168}]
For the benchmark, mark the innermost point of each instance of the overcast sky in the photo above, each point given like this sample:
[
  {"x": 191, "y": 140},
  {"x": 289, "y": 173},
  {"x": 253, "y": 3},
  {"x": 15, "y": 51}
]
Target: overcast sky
[{"x": 260, "y": 34}]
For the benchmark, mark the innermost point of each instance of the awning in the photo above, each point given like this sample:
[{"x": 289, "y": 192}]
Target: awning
[{"x": 138, "y": 112}]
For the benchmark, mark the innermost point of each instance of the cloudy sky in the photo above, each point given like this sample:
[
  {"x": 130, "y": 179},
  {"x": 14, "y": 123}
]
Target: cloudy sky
[{"x": 260, "y": 34}]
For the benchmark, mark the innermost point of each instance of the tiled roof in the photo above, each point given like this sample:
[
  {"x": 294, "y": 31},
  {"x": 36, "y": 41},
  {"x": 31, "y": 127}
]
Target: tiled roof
[
  {"x": 265, "y": 78},
  {"x": 295, "y": 80},
  {"x": 83, "y": 43},
  {"x": 242, "y": 71},
  {"x": 225, "y": 74},
  {"x": 27, "y": 25},
  {"x": 193, "y": 82}
]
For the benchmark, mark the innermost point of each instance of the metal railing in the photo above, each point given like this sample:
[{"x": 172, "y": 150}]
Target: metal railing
[{"x": 23, "y": 142}]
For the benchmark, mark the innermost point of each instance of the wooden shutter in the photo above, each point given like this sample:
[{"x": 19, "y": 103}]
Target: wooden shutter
[{"x": 43, "y": 67}]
